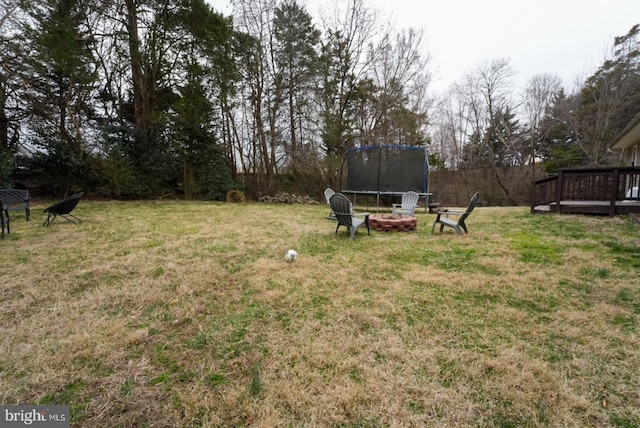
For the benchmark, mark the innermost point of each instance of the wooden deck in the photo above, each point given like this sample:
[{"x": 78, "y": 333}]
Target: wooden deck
[{"x": 601, "y": 191}]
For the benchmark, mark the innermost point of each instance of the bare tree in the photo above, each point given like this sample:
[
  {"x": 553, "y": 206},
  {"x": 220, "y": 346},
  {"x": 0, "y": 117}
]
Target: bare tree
[
  {"x": 539, "y": 96},
  {"x": 264, "y": 92},
  {"x": 452, "y": 127},
  {"x": 477, "y": 121},
  {"x": 347, "y": 56},
  {"x": 401, "y": 73}
]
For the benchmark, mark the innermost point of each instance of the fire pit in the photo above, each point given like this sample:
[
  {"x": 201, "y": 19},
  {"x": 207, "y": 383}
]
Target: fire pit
[{"x": 392, "y": 222}]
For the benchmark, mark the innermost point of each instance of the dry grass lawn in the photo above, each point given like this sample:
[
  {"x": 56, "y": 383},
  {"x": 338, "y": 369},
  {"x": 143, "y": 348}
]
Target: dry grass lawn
[{"x": 185, "y": 314}]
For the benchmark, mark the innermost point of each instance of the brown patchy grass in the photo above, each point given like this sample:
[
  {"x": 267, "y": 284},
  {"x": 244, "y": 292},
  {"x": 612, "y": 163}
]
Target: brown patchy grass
[{"x": 184, "y": 314}]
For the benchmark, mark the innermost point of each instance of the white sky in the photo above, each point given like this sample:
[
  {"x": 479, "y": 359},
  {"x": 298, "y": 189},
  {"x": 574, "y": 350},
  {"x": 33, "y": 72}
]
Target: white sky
[{"x": 565, "y": 37}]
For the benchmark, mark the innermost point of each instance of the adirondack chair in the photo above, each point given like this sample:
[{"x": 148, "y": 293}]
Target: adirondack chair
[
  {"x": 459, "y": 225},
  {"x": 343, "y": 210},
  {"x": 408, "y": 204},
  {"x": 328, "y": 193},
  {"x": 63, "y": 209}
]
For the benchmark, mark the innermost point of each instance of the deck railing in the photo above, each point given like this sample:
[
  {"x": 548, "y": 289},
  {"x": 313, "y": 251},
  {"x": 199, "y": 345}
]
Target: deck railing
[{"x": 594, "y": 190}]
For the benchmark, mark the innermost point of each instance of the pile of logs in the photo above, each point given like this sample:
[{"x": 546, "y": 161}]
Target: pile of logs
[{"x": 288, "y": 198}]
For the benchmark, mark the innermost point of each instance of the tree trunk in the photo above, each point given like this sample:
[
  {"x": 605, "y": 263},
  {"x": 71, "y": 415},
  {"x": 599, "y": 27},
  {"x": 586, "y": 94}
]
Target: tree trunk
[
  {"x": 4, "y": 120},
  {"x": 142, "y": 112}
]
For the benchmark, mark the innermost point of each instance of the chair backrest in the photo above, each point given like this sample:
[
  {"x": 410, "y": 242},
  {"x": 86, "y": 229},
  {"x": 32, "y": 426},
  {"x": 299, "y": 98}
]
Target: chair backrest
[
  {"x": 409, "y": 200},
  {"x": 14, "y": 196},
  {"x": 472, "y": 204},
  {"x": 65, "y": 206},
  {"x": 328, "y": 193},
  {"x": 342, "y": 208}
]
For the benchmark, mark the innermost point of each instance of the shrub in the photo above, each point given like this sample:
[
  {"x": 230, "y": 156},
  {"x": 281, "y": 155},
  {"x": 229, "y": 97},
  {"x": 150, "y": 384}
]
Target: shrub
[
  {"x": 6, "y": 169},
  {"x": 236, "y": 196}
]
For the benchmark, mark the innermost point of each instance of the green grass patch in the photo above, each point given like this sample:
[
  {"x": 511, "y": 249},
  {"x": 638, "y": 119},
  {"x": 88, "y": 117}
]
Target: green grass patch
[
  {"x": 625, "y": 254},
  {"x": 536, "y": 249}
]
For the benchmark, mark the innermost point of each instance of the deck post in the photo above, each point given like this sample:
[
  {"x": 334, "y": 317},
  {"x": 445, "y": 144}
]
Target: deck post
[
  {"x": 614, "y": 191},
  {"x": 559, "y": 186}
]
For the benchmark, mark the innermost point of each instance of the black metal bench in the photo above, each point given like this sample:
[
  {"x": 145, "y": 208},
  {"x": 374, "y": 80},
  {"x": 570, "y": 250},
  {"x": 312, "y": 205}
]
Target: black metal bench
[
  {"x": 18, "y": 198},
  {"x": 2, "y": 211}
]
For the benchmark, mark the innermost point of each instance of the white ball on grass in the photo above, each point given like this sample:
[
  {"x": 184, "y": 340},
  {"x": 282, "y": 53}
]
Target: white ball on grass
[{"x": 290, "y": 255}]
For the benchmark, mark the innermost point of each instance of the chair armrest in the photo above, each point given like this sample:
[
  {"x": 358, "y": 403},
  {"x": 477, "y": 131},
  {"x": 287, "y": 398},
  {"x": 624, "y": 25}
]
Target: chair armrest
[
  {"x": 452, "y": 212},
  {"x": 361, "y": 214},
  {"x": 445, "y": 213}
]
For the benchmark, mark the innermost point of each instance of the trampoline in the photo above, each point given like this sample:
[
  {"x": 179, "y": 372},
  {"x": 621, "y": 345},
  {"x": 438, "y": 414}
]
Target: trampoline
[{"x": 386, "y": 170}]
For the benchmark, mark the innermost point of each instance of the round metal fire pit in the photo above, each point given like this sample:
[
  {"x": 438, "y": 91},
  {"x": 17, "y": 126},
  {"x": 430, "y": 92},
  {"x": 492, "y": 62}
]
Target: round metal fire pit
[{"x": 392, "y": 222}]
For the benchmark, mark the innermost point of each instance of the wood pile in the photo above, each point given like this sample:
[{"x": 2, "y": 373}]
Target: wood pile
[{"x": 288, "y": 198}]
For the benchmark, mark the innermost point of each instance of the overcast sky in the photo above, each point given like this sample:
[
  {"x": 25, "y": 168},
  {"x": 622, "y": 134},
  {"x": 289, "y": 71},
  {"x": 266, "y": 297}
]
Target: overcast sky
[{"x": 565, "y": 37}]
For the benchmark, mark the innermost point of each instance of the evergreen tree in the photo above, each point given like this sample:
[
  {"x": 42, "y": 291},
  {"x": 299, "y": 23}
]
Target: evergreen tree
[
  {"x": 60, "y": 94},
  {"x": 610, "y": 98},
  {"x": 296, "y": 59},
  {"x": 208, "y": 75},
  {"x": 558, "y": 146},
  {"x": 337, "y": 96}
]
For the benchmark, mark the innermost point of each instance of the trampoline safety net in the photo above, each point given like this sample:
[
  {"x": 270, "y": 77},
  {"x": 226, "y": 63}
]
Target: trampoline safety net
[{"x": 385, "y": 169}]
